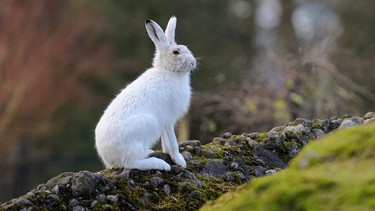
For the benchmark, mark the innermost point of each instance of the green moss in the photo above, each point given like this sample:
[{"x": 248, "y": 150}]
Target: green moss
[
  {"x": 215, "y": 148},
  {"x": 261, "y": 137},
  {"x": 183, "y": 195},
  {"x": 317, "y": 123},
  {"x": 345, "y": 116},
  {"x": 236, "y": 177},
  {"x": 287, "y": 144},
  {"x": 214, "y": 187},
  {"x": 113, "y": 170},
  {"x": 335, "y": 173}
]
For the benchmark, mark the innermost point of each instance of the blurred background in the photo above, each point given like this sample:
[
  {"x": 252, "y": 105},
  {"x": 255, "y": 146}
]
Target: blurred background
[{"x": 262, "y": 64}]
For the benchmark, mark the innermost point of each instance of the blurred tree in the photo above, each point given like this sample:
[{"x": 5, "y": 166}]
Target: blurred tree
[
  {"x": 287, "y": 78},
  {"x": 45, "y": 48}
]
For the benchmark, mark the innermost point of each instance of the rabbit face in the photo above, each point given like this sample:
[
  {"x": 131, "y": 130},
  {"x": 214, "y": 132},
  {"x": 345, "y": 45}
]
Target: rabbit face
[
  {"x": 177, "y": 58},
  {"x": 169, "y": 56}
]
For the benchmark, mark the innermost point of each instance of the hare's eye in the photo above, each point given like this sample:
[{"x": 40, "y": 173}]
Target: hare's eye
[{"x": 176, "y": 52}]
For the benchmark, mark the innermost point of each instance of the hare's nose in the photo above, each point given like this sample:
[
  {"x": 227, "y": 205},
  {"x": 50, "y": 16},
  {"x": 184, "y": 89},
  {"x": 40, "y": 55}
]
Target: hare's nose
[{"x": 193, "y": 64}]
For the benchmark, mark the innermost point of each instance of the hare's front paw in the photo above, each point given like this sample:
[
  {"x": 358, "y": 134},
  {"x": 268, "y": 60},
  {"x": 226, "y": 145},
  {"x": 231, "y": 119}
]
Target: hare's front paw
[{"x": 179, "y": 159}]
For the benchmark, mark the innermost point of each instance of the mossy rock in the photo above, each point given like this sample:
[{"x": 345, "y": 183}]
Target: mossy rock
[
  {"x": 335, "y": 173},
  {"x": 322, "y": 173}
]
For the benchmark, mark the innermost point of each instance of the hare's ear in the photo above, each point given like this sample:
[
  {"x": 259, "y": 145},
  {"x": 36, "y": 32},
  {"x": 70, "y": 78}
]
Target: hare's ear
[
  {"x": 170, "y": 30},
  {"x": 155, "y": 32}
]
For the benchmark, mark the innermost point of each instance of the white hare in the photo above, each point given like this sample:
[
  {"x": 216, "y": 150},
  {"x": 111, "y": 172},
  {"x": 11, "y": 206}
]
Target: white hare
[{"x": 149, "y": 107}]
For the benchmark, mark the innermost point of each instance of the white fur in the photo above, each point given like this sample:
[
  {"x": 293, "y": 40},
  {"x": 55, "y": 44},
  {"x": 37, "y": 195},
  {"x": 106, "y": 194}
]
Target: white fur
[{"x": 148, "y": 108}]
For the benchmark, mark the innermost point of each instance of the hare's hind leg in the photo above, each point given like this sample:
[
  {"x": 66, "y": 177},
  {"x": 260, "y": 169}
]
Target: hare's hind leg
[
  {"x": 141, "y": 161},
  {"x": 145, "y": 132},
  {"x": 150, "y": 163}
]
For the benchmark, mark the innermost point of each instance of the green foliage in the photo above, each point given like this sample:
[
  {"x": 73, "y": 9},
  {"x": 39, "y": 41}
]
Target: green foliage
[
  {"x": 335, "y": 173},
  {"x": 281, "y": 110},
  {"x": 296, "y": 98}
]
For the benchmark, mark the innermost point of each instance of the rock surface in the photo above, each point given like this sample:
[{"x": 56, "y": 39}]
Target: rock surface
[{"x": 212, "y": 169}]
